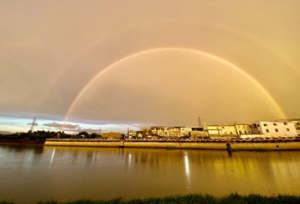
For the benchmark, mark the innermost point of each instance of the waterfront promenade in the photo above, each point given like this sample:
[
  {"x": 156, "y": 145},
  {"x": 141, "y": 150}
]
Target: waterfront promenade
[{"x": 241, "y": 144}]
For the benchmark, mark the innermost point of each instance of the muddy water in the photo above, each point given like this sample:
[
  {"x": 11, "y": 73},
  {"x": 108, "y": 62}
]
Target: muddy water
[{"x": 31, "y": 174}]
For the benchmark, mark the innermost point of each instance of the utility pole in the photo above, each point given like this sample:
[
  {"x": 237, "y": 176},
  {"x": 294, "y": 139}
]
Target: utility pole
[
  {"x": 199, "y": 122},
  {"x": 32, "y": 124},
  {"x": 236, "y": 130},
  {"x": 100, "y": 131}
]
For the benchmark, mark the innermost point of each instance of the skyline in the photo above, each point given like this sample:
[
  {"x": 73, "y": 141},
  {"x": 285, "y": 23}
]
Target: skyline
[
  {"x": 16, "y": 125},
  {"x": 160, "y": 62}
]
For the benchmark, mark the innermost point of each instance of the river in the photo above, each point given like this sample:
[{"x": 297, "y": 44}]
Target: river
[{"x": 31, "y": 174}]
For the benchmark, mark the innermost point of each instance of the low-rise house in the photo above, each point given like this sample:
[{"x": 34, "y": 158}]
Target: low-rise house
[
  {"x": 296, "y": 123},
  {"x": 229, "y": 130},
  {"x": 176, "y": 131},
  {"x": 222, "y": 131},
  {"x": 132, "y": 133},
  {"x": 198, "y": 132},
  {"x": 243, "y": 129},
  {"x": 274, "y": 129}
]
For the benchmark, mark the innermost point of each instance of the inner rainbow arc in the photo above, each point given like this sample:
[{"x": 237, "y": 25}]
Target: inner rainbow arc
[{"x": 202, "y": 53}]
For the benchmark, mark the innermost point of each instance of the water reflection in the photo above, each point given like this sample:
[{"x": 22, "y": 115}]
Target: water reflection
[
  {"x": 187, "y": 169},
  {"x": 52, "y": 156},
  {"x": 129, "y": 159},
  {"x": 98, "y": 173}
]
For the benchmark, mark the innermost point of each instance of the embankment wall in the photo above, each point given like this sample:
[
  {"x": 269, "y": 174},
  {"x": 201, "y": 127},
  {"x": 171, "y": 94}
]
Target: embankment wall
[{"x": 184, "y": 145}]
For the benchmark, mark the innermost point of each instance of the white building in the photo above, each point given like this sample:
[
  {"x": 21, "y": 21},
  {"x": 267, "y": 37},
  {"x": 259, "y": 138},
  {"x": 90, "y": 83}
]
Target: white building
[
  {"x": 275, "y": 129},
  {"x": 229, "y": 130},
  {"x": 296, "y": 122}
]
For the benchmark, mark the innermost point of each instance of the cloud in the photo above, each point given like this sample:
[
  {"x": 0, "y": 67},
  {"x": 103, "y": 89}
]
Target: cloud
[
  {"x": 89, "y": 130},
  {"x": 35, "y": 124},
  {"x": 70, "y": 127},
  {"x": 62, "y": 125}
]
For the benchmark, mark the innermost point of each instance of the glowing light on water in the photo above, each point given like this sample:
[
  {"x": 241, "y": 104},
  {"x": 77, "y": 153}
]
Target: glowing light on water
[
  {"x": 129, "y": 159},
  {"x": 52, "y": 156},
  {"x": 187, "y": 169}
]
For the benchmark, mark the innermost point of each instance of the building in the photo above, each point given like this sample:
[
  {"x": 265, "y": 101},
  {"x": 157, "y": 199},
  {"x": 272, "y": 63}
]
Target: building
[
  {"x": 177, "y": 131},
  {"x": 296, "y": 123},
  {"x": 132, "y": 133},
  {"x": 162, "y": 131},
  {"x": 111, "y": 135},
  {"x": 243, "y": 129},
  {"x": 229, "y": 130},
  {"x": 275, "y": 129},
  {"x": 198, "y": 132},
  {"x": 221, "y": 131}
]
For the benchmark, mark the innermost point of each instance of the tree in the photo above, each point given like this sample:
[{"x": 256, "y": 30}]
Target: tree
[{"x": 83, "y": 134}]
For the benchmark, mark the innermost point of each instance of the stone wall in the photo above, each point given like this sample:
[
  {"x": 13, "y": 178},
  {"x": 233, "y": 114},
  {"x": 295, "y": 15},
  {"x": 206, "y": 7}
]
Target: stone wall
[{"x": 184, "y": 145}]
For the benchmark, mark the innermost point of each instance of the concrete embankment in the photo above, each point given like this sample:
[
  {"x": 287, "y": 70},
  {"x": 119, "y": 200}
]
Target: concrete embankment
[{"x": 249, "y": 146}]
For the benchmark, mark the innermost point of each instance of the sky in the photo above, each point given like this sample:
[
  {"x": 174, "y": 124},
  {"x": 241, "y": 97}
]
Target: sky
[{"x": 137, "y": 62}]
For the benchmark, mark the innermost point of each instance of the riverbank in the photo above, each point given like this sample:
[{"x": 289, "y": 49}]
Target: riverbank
[
  {"x": 201, "y": 145},
  {"x": 192, "y": 198}
]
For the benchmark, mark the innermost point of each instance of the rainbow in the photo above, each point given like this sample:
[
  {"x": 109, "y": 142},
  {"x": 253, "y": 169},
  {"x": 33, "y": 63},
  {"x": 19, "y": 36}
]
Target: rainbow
[{"x": 202, "y": 53}]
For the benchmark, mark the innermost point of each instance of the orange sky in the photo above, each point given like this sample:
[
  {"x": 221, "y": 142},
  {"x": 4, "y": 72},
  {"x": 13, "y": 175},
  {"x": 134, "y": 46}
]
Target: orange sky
[{"x": 51, "y": 50}]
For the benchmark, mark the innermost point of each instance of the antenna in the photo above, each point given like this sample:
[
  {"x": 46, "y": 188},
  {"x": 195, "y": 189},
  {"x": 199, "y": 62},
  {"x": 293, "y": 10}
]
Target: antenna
[{"x": 32, "y": 124}]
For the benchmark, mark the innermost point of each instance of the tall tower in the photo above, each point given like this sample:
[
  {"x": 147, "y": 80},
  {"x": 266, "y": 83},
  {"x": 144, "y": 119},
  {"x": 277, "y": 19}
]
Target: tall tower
[{"x": 32, "y": 124}]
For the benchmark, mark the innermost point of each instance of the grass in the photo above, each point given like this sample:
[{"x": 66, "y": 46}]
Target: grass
[
  {"x": 193, "y": 198},
  {"x": 6, "y": 202}
]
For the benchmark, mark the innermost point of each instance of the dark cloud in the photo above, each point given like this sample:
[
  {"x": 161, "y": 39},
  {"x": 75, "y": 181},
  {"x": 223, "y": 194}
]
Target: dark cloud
[
  {"x": 61, "y": 125},
  {"x": 89, "y": 130}
]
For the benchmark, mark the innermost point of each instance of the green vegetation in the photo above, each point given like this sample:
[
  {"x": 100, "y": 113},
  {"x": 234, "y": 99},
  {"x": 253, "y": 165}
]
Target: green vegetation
[{"x": 192, "y": 198}]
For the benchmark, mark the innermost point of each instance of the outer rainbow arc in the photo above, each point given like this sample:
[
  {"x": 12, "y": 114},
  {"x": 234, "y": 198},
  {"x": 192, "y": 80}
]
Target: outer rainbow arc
[{"x": 209, "y": 55}]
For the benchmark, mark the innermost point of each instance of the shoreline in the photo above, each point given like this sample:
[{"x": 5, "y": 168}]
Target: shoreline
[
  {"x": 235, "y": 146},
  {"x": 188, "y": 198}
]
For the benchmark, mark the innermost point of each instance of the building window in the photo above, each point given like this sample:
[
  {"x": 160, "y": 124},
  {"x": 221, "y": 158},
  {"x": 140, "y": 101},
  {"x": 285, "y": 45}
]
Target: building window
[
  {"x": 231, "y": 133},
  {"x": 287, "y": 129},
  {"x": 276, "y": 130},
  {"x": 245, "y": 132},
  {"x": 265, "y": 125},
  {"x": 275, "y": 124},
  {"x": 267, "y": 130},
  {"x": 240, "y": 132},
  {"x": 285, "y": 123}
]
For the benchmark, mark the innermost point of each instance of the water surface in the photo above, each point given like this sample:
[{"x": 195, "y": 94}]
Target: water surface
[{"x": 31, "y": 174}]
